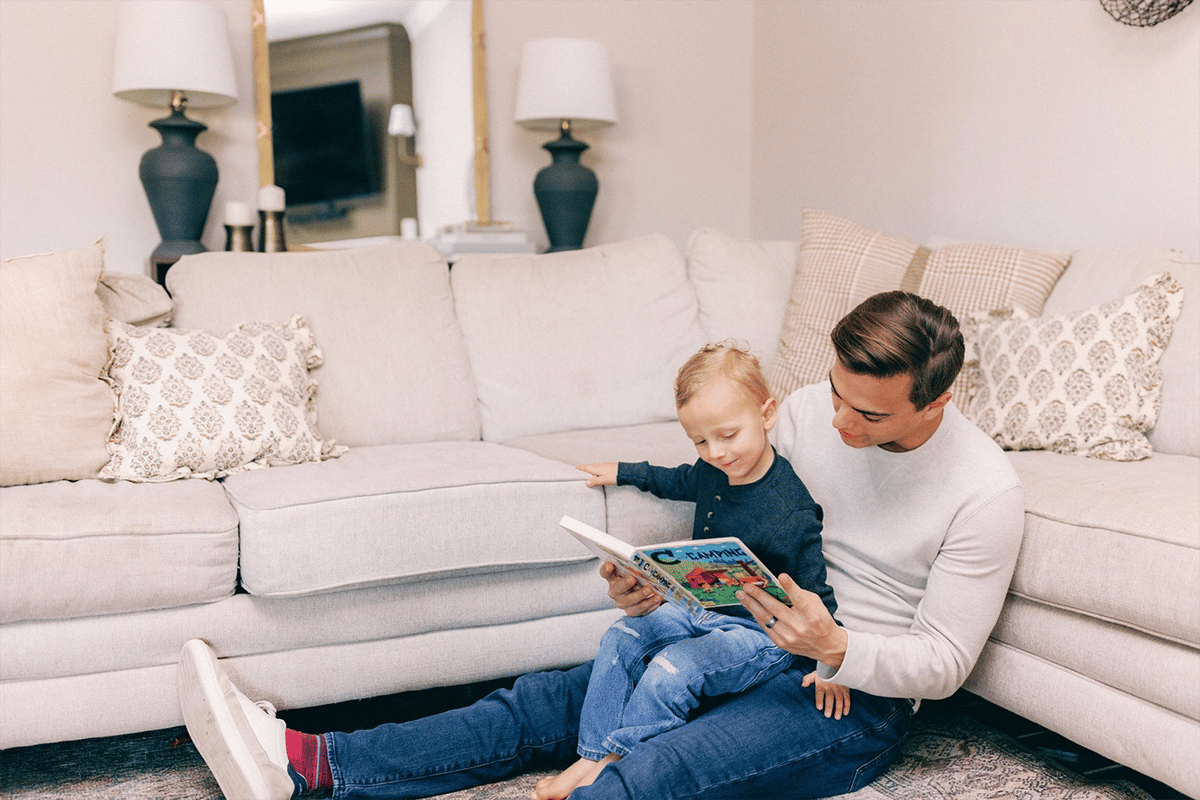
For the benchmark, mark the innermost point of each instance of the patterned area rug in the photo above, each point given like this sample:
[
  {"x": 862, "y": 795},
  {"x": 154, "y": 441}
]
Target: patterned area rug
[{"x": 949, "y": 756}]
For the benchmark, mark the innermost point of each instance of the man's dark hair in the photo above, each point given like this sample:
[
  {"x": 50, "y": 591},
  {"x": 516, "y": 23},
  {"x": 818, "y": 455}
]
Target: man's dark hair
[{"x": 896, "y": 333}]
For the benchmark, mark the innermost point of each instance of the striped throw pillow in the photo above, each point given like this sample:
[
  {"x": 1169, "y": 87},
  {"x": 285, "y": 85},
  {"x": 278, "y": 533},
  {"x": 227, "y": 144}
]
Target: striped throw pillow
[{"x": 842, "y": 263}]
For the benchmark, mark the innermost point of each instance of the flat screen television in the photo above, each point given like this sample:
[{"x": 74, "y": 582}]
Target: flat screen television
[{"x": 324, "y": 152}]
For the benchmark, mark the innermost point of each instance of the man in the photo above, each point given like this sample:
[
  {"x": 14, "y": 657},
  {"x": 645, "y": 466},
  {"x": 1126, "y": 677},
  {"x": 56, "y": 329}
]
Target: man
[{"x": 923, "y": 520}]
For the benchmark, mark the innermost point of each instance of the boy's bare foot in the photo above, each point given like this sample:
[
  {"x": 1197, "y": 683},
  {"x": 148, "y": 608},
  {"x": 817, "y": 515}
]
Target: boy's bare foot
[{"x": 582, "y": 773}]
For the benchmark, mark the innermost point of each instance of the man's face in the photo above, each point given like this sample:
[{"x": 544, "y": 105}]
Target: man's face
[
  {"x": 730, "y": 430},
  {"x": 876, "y": 412}
]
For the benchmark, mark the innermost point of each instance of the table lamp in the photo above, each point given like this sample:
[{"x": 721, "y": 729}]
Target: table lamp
[
  {"x": 174, "y": 54},
  {"x": 565, "y": 84}
]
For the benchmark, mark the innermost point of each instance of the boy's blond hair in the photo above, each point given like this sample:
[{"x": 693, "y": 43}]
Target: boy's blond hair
[{"x": 721, "y": 358}]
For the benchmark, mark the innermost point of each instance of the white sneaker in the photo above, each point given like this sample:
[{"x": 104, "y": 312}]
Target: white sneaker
[{"x": 241, "y": 741}]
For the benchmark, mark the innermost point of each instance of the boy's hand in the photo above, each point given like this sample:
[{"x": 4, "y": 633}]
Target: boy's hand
[
  {"x": 833, "y": 699},
  {"x": 602, "y": 474},
  {"x": 631, "y": 597}
]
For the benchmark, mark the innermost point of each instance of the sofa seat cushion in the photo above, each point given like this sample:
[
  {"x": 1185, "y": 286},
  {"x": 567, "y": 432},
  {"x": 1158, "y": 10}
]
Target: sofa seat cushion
[
  {"x": 89, "y": 548},
  {"x": 397, "y": 513},
  {"x": 1119, "y": 541},
  {"x": 630, "y": 514}
]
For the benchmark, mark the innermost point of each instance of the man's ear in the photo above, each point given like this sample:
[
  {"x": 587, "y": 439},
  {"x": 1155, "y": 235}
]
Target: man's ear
[
  {"x": 937, "y": 405},
  {"x": 770, "y": 413}
]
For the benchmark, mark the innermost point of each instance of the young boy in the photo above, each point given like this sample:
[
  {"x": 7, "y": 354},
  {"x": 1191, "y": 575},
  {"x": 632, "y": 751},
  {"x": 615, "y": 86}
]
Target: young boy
[{"x": 651, "y": 670}]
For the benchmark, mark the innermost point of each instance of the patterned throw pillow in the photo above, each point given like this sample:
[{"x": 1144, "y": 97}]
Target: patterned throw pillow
[
  {"x": 191, "y": 404},
  {"x": 1086, "y": 383},
  {"x": 842, "y": 263}
]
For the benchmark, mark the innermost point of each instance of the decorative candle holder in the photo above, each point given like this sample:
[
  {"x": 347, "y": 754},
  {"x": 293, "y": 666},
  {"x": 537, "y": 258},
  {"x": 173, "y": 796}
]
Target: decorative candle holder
[
  {"x": 270, "y": 232},
  {"x": 239, "y": 238}
]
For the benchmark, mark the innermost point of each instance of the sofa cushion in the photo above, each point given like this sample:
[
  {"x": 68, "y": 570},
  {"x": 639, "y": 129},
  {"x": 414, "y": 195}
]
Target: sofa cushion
[
  {"x": 1111, "y": 654},
  {"x": 73, "y": 549},
  {"x": 1086, "y": 383},
  {"x": 1118, "y": 541},
  {"x": 55, "y": 410},
  {"x": 1100, "y": 274},
  {"x": 630, "y": 514},
  {"x": 398, "y": 513},
  {"x": 395, "y": 369},
  {"x": 136, "y": 299},
  {"x": 843, "y": 263},
  {"x": 191, "y": 404},
  {"x": 584, "y": 339},
  {"x": 742, "y": 286}
]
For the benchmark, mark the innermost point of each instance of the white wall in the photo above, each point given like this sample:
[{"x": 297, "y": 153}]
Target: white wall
[
  {"x": 69, "y": 149},
  {"x": 679, "y": 157},
  {"x": 1027, "y": 122},
  {"x": 1037, "y": 122}
]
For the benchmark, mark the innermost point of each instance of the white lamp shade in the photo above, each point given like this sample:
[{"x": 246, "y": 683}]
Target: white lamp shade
[
  {"x": 400, "y": 121},
  {"x": 182, "y": 45},
  {"x": 565, "y": 79}
]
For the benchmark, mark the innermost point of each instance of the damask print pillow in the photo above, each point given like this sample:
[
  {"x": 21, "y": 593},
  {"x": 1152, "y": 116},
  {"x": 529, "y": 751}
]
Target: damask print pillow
[
  {"x": 191, "y": 404},
  {"x": 1086, "y": 383}
]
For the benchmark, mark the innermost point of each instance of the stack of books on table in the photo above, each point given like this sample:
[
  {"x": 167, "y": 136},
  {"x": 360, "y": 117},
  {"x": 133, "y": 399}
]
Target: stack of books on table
[{"x": 471, "y": 237}]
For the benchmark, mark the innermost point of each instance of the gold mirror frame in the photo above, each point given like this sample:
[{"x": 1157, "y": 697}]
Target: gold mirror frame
[{"x": 262, "y": 106}]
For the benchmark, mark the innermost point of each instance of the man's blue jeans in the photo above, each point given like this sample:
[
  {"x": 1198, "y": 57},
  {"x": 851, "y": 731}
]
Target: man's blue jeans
[
  {"x": 651, "y": 671},
  {"x": 766, "y": 743}
]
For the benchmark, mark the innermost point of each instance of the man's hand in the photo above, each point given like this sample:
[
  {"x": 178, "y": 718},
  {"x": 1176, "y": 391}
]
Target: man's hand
[
  {"x": 631, "y": 597},
  {"x": 602, "y": 474},
  {"x": 833, "y": 699},
  {"x": 805, "y": 629}
]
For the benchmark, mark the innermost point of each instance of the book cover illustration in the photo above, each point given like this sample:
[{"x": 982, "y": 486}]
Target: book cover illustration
[
  {"x": 698, "y": 575},
  {"x": 711, "y": 570}
]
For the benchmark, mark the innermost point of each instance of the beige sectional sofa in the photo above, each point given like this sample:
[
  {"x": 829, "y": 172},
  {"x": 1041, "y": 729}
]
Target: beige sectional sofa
[{"x": 428, "y": 553}]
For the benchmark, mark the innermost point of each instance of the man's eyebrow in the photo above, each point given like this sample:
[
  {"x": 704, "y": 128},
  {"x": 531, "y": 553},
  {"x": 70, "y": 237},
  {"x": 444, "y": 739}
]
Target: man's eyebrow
[{"x": 859, "y": 410}]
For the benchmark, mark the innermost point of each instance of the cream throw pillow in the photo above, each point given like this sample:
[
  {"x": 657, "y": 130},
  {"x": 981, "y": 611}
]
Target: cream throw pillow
[
  {"x": 1086, "y": 383},
  {"x": 842, "y": 263},
  {"x": 742, "y": 286},
  {"x": 192, "y": 404},
  {"x": 56, "y": 411}
]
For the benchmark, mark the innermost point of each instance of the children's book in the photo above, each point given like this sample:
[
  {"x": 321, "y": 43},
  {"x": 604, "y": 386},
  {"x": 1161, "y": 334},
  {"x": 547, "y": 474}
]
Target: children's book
[{"x": 699, "y": 574}]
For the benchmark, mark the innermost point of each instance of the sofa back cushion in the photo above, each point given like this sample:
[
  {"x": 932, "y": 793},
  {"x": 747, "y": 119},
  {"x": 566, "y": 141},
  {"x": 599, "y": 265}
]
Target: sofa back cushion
[
  {"x": 584, "y": 339},
  {"x": 742, "y": 286},
  {"x": 55, "y": 410},
  {"x": 1099, "y": 275},
  {"x": 395, "y": 368}
]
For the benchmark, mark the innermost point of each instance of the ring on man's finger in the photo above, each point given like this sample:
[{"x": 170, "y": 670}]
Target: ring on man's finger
[{"x": 771, "y": 622}]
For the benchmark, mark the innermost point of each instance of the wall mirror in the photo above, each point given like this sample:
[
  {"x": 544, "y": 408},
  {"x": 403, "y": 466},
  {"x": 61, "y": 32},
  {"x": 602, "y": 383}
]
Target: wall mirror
[{"x": 428, "y": 54}]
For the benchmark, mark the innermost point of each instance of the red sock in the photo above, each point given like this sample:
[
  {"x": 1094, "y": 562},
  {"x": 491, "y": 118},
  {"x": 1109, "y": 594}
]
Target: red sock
[{"x": 307, "y": 754}]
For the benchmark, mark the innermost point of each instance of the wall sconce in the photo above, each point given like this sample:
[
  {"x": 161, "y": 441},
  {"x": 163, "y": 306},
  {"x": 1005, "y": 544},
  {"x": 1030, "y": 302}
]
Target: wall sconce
[{"x": 402, "y": 125}]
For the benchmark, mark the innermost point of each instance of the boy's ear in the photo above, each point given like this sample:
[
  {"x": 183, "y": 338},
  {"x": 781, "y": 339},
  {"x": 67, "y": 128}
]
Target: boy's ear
[{"x": 770, "y": 413}]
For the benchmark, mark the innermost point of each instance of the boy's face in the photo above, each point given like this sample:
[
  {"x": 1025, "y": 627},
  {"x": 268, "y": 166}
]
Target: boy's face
[
  {"x": 730, "y": 430},
  {"x": 877, "y": 412}
]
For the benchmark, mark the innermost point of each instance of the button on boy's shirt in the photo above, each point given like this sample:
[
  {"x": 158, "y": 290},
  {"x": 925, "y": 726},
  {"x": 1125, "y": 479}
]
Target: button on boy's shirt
[{"x": 775, "y": 516}]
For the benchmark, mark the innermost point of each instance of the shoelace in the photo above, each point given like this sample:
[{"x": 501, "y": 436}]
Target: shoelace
[{"x": 267, "y": 707}]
